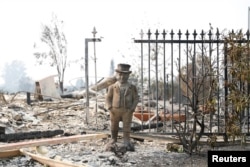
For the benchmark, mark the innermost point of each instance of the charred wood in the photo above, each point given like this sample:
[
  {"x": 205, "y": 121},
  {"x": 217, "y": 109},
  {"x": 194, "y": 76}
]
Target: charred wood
[
  {"x": 141, "y": 127},
  {"x": 29, "y": 135}
]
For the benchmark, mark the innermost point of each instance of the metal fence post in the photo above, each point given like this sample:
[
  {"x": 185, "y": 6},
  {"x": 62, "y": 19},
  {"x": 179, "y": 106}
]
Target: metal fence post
[{"x": 87, "y": 40}]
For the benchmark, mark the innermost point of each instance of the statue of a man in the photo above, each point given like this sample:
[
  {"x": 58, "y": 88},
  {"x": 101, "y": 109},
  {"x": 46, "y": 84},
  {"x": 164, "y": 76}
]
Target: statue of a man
[{"x": 121, "y": 101}]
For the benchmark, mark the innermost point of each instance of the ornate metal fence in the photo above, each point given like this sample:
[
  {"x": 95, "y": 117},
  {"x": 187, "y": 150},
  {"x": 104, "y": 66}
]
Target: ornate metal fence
[{"x": 178, "y": 71}]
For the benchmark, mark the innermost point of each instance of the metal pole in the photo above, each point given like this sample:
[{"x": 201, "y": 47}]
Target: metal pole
[
  {"x": 94, "y": 33},
  {"x": 142, "y": 102},
  {"x": 87, "y": 73},
  {"x": 248, "y": 18},
  {"x": 87, "y": 79},
  {"x": 156, "y": 77},
  {"x": 149, "y": 87}
]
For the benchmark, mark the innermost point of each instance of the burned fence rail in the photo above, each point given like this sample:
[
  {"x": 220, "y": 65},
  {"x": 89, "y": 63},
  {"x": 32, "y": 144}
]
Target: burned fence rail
[{"x": 29, "y": 135}]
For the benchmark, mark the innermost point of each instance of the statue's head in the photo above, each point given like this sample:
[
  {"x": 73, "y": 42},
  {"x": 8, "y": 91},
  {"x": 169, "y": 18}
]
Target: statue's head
[{"x": 122, "y": 72}]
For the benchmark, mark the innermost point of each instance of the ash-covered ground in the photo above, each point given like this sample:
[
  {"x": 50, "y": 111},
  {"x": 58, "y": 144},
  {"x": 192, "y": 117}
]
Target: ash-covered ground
[{"x": 73, "y": 118}]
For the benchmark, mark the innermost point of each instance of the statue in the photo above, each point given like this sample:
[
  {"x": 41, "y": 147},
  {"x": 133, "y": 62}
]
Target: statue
[{"x": 121, "y": 101}]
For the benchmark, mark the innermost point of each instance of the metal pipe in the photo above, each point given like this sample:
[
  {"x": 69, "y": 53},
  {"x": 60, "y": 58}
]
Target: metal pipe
[
  {"x": 86, "y": 80},
  {"x": 94, "y": 33},
  {"x": 156, "y": 77},
  {"x": 142, "y": 102},
  {"x": 87, "y": 40}
]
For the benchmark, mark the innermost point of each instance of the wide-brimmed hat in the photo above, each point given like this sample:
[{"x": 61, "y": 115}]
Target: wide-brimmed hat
[{"x": 123, "y": 68}]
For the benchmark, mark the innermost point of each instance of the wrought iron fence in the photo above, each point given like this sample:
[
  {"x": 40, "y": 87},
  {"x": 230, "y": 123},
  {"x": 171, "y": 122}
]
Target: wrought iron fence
[{"x": 178, "y": 71}]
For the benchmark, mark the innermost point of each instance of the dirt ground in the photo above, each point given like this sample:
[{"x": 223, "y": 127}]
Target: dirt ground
[{"x": 72, "y": 117}]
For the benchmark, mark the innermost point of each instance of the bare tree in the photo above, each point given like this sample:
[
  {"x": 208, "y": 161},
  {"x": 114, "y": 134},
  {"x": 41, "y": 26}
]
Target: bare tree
[
  {"x": 56, "y": 55},
  {"x": 198, "y": 82}
]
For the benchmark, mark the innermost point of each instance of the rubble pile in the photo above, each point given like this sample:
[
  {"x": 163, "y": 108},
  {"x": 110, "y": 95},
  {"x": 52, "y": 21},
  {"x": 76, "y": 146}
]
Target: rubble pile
[{"x": 73, "y": 118}]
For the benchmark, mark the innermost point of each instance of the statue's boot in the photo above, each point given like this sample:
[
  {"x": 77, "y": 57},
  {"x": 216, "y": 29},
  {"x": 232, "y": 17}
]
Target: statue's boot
[
  {"x": 114, "y": 135},
  {"x": 127, "y": 119},
  {"x": 126, "y": 138},
  {"x": 114, "y": 118},
  {"x": 111, "y": 145}
]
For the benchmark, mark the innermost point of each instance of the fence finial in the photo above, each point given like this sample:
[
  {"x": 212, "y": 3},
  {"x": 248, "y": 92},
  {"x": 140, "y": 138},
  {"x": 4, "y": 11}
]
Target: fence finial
[
  {"x": 217, "y": 33},
  {"x": 194, "y": 34},
  {"x": 202, "y": 34},
  {"x": 179, "y": 34},
  {"x": 172, "y": 34},
  {"x": 94, "y": 32},
  {"x": 210, "y": 34},
  {"x": 164, "y": 34},
  {"x": 156, "y": 34},
  {"x": 149, "y": 33},
  {"x": 187, "y": 34},
  {"x": 141, "y": 34}
]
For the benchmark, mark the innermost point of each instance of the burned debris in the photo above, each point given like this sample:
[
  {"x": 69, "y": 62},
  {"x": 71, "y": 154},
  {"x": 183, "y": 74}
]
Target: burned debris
[{"x": 58, "y": 126}]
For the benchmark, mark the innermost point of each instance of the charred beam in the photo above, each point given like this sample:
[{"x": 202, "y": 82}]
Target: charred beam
[
  {"x": 29, "y": 135},
  {"x": 141, "y": 127}
]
